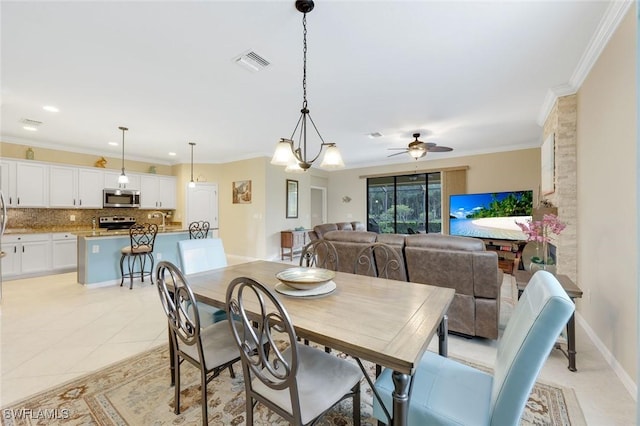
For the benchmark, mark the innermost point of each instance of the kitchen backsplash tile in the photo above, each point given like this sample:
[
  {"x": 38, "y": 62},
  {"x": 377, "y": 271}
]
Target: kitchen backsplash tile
[{"x": 61, "y": 218}]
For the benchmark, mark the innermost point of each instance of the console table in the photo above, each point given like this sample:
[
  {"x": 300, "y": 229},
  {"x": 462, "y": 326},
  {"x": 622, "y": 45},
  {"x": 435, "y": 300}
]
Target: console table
[
  {"x": 292, "y": 240},
  {"x": 573, "y": 291}
]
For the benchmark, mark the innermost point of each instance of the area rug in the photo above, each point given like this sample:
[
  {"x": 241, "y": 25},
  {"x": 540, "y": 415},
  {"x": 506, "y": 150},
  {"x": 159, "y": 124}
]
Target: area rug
[{"x": 136, "y": 392}]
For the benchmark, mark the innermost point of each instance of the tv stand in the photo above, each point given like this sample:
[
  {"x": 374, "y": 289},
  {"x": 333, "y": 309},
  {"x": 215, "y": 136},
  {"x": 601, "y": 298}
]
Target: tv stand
[{"x": 508, "y": 251}]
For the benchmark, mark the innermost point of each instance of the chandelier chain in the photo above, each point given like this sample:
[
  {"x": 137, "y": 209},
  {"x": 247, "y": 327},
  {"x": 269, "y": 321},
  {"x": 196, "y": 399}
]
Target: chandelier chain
[{"x": 304, "y": 60}]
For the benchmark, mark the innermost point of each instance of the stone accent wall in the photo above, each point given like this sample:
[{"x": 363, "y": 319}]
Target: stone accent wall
[{"x": 562, "y": 121}]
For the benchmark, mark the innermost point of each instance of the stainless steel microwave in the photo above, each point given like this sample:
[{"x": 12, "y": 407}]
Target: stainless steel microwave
[{"x": 120, "y": 198}]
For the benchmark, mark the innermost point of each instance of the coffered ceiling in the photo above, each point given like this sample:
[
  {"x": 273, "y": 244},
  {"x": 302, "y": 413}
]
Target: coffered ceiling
[{"x": 475, "y": 76}]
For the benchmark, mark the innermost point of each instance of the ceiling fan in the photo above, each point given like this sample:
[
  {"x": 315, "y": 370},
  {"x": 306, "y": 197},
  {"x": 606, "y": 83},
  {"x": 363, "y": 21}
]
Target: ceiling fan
[{"x": 418, "y": 149}]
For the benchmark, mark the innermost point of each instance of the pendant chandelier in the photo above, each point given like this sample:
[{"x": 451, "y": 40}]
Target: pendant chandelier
[
  {"x": 123, "y": 179},
  {"x": 192, "y": 184},
  {"x": 287, "y": 153}
]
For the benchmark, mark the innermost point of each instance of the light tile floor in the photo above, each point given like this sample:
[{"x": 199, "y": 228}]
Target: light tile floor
[{"x": 54, "y": 330}]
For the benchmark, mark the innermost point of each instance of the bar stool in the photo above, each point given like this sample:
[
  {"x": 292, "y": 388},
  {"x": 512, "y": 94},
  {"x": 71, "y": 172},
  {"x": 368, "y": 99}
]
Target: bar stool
[
  {"x": 198, "y": 230},
  {"x": 142, "y": 237}
]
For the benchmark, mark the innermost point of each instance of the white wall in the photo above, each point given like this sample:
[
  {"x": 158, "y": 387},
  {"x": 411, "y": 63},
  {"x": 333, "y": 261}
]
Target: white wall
[
  {"x": 503, "y": 171},
  {"x": 607, "y": 198}
]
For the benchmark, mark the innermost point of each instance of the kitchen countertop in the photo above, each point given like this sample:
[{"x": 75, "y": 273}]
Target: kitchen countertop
[
  {"x": 120, "y": 232},
  {"x": 85, "y": 231}
]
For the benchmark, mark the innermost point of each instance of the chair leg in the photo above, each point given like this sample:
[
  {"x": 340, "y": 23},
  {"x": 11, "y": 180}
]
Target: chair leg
[
  {"x": 121, "y": 270},
  {"x": 203, "y": 380},
  {"x": 249, "y": 410},
  {"x": 176, "y": 396},
  {"x": 131, "y": 268},
  {"x": 143, "y": 260},
  {"x": 356, "y": 404},
  {"x": 152, "y": 265}
]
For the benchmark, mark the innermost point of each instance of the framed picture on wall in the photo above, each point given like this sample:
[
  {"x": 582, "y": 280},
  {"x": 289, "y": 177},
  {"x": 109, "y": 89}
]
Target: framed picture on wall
[
  {"x": 547, "y": 163},
  {"x": 242, "y": 192},
  {"x": 292, "y": 199}
]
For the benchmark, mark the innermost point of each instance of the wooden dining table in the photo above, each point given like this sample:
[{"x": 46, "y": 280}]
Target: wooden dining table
[{"x": 383, "y": 321}]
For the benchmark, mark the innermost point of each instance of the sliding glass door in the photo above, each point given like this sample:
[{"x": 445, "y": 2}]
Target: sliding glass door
[{"x": 404, "y": 204}]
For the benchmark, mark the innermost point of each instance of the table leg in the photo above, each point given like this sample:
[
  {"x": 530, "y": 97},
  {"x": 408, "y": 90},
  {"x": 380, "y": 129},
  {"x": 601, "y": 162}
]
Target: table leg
[
  {"x": 443, "y": 336},
  {"x": 571, "y": 343},
  {"x": 400, "y": 398}
]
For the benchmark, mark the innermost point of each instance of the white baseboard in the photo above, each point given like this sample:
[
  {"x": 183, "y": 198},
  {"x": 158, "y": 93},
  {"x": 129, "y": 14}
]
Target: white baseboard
[
  {"x": 627, "y": 381},
  {"x": 105, "y": 284}
]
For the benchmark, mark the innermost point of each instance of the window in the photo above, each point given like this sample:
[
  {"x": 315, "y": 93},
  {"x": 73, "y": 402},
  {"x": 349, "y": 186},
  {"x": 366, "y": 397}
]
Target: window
[{"x": 405, "y": 204}]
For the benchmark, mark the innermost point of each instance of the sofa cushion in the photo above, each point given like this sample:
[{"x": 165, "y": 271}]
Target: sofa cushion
[
  {"x": 395, "y": 240},
  {"x": 446, "y": 242},
  {"x": 443, "y": 268},
  {"x": 352, "y": 237},
  {"x": 320, "y": 230},
  {"x": 344, "y": 226}
]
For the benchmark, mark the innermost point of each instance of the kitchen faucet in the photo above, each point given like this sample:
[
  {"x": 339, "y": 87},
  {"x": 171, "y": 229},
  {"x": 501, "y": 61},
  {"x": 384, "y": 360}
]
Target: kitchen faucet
[{"x": 162, "y": 214}]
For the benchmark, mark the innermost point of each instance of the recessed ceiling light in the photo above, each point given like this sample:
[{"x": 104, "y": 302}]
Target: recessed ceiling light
[
  {"x": 30, "y": 128},
  {"x": 113, "y": 143},
  {"x": 50, "y": 108},
  {"x": 172, "y": 154}
]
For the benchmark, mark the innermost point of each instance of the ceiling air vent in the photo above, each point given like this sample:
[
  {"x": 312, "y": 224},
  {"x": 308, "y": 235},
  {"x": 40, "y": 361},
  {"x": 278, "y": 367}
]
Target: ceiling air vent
[
  {"x": 252, "y": 61},
  {"x": 29, "y": 124}
]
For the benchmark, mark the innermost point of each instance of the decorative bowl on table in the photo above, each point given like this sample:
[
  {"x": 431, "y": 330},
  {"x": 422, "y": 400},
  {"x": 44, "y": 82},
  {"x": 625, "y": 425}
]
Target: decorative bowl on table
[{"x": 305, "y": 278}]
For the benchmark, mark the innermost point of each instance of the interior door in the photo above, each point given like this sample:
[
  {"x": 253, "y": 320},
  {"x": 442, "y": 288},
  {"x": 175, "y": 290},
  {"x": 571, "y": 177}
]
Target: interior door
[
  {"x": 318, "y": 205},
  {"x": 202, "y": 204}
]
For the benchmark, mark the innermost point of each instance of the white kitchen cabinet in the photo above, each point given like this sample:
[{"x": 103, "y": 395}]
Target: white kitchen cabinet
[
  {"x": 157, "y": 192},
  {"x": 25, "y": 183},
  {"x": 90, "y": 186},
  {"x": 26, "y": 254},
  {"x": 8, "y": 182},
  {"x": 64, "y": 251},
  {"x": 32, "y": 189},
  {"x": 75, "y": 187},
  {"x": 111, "y": 180},
  {"x": 63, "y": 189}
]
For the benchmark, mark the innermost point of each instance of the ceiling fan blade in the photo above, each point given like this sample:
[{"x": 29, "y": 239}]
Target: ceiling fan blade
[
  {"x": 439, "y": 149},
  {"x": 397, "y": 153}
]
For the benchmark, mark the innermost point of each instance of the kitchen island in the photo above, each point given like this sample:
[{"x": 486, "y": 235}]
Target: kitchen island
[{"x": 99, "y": 252}]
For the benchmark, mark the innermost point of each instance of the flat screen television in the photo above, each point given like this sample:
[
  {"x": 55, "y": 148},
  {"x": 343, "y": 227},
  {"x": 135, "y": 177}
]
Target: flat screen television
[{"x": 491, "y": 215}]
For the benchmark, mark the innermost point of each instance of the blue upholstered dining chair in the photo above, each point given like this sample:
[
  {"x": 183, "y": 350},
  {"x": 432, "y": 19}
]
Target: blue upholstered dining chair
[
  {"x": 446, "y": 392},
  {"x": 200, "y": 255}
]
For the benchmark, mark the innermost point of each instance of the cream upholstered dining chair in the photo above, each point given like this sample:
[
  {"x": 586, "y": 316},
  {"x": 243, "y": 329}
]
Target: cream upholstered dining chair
[
  {"x": 210, "y": 349},
  {"x": 198, "y": 230},
  {"x": 446, "y": 392},
  {"x": 142, "y": 237},
  {"x": 299, "y": 382},
  {"x": 200, "y": 255},
  {"x": 319, "y": 254},
  {"x": 380, "y": 260}
]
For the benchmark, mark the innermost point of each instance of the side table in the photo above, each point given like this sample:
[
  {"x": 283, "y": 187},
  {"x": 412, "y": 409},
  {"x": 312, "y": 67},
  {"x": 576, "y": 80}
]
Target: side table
[
  {"x": 292, "y": 240},
  {"x": 573, "y": 291}
]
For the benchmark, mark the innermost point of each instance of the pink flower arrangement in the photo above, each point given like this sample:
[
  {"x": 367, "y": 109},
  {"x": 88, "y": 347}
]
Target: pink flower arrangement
[{"x": 541, "y": 231}]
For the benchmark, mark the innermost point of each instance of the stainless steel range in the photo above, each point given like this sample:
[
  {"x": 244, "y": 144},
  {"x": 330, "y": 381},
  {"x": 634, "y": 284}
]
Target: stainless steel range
[{"x": 116, "y": 222}]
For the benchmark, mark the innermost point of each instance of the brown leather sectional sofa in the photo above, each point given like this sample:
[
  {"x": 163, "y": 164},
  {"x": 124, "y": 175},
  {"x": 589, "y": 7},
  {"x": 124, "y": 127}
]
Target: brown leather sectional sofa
[{"x": 456, "y": 262}]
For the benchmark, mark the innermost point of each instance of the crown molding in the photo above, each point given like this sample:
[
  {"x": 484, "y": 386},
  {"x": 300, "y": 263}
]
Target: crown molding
[
  {"x": 80, "y": 150},
  {"x": 608, "y": 25}
]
